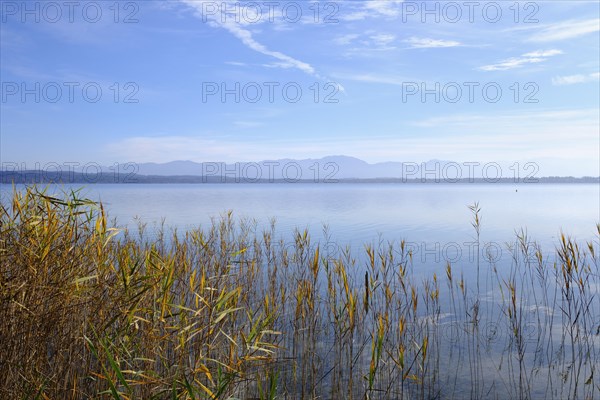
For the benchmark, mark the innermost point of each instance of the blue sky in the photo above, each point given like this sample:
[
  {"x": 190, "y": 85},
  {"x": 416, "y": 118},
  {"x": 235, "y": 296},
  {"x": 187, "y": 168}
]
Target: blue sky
[{"x": 381, "y": 80}]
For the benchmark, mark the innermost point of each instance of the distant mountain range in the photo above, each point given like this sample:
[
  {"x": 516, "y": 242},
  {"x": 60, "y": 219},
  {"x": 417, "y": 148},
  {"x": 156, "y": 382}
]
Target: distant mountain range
[
  {"x": 323, "y": 170},
  {"x": 326, "y": 168}
]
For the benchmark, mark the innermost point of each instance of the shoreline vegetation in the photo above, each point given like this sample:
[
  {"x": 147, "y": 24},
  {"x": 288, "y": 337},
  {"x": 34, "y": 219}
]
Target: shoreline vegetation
[
  {"x": 224, "y": 312},
  {"x": 72, "y": 177}
]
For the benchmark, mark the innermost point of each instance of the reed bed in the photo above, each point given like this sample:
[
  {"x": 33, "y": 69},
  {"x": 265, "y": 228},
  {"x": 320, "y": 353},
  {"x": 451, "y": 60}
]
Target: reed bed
[{"x": 233, "y": 312}]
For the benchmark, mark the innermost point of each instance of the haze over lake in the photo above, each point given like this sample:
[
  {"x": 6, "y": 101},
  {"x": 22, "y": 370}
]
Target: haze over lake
[{"x": 358, "y": 213}]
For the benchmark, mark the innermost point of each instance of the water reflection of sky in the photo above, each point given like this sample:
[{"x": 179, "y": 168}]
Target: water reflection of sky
[
  {"x": 436, "y": 223},
  {"x": 437, "y": 215}
]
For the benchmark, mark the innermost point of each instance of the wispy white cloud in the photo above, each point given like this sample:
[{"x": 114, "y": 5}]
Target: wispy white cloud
[
  {"x": 423, "y": 43},
  {"x": 389, "y": 8},
  {"x": 373, "y": 9},
  {"x": 246, "y": 37},
  {"x": 533, "y": 57},
  {"x": 248, "y": 124},
  {"x": 346, "y": 39},
  {"x": 279, "y": 64},
  {"x": 542, "y": 53},
  {"x": 237, "y": 29},
  {"x": 566, "y": 30},
  {"x": 366, "y": 43},
  {"x": 383, "y": 39},
  {"x": 578, "y": 117},
  {"x": 573, "y": 79},
  {"x": 236, "y": 63},
  {"x": 374, "y": 78}
]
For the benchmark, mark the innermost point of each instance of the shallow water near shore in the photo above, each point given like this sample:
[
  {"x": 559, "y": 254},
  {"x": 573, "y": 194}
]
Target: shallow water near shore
[
  {"x": 358, "y": 213},
  {"x": 492, "y": 318}
]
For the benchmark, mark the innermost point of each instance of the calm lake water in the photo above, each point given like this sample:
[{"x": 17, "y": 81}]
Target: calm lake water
[
  {"x": 436, "y": 222},
  {"x": 435, "y": 219}
]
